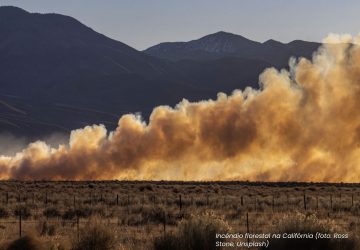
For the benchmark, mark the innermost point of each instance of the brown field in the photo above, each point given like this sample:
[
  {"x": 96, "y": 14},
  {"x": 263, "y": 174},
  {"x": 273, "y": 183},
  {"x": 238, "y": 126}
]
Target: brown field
[{"x": 134, "y": 214}]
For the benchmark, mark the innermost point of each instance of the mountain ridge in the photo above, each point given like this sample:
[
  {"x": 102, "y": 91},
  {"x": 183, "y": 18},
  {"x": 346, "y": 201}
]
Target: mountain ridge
[
  {"x": 229, "y": 44},
  {"x": 58, "y": 74}
]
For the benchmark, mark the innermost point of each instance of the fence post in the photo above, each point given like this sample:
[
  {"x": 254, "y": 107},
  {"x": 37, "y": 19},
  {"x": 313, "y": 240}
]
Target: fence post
[
  {"x": 304, "y": 201},
  {"x": 180, "y": 202},
  {"x": 247, "y": 226},
  {"x": 242, "y": 201},
  {"x": 340, "y": 198},
  {"x": 164, "y": 221},
  {"x": 77, "y": 228},
  {"x": 117, "y": 200},
  {"x": 331, "y": 202},
  {"x": 128, "y": 207},
  {"x": 255, "y": 204},
  {"x": 20, "y": 223},
  {"x": 273, "y": 203},
  {"x": 287, "y": 201}
]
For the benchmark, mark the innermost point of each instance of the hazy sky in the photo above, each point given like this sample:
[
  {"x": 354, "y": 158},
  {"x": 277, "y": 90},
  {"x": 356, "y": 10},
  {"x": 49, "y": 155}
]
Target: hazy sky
[{"x": 142, "y": 23}]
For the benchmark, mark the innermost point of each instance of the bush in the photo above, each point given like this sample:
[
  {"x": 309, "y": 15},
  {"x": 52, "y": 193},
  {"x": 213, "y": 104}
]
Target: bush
[
  {"x": 303, "y": 224},
  {"x": 197, "y": 233},
  {"x": 3, "y": 213},
  {"x": 26, "y": 243},
  {"x": 45, "y": 229},
  {"x": 81, "y": 212},
  {"x": 51, "y": 212},
  {"x": 95, "y": 237},
  {"x": 153, "y": 214},
  {"x": 147, "y": 187},
  {"x": 25, "y": 212}
]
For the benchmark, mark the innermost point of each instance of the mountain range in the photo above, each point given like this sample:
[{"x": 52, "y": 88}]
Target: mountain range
[{"x": 57, "y": 74}]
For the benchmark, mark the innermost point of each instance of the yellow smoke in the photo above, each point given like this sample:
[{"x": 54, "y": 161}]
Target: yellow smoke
[{"x": 302, "y": 125}]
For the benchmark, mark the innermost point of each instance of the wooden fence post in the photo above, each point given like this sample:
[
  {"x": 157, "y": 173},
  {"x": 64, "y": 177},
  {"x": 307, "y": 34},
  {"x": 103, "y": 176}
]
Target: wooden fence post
[
  {"x": 78, "y": 227},
  {"x": 273, "y": 203},
  {"x": 128, "y": 206},
  {"x": 287, "y": 201},
  {"x": 331, "y": 202},
  {"x": 117, "y": 200},
  {"x": 247, "y": 226},
  {"x": 255, "y": 203},
  {"x": 340, "y": 198},
  {"x": 20, "y": 223},
  {"x": 164, "y": 221}
]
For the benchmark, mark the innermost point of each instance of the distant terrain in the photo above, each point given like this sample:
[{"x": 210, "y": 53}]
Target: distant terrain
[{"x": 56, "y": 74}]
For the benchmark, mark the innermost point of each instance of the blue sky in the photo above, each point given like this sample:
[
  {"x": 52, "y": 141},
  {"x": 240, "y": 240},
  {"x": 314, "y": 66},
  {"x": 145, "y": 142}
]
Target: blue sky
[{"x": 142, "y": 23}]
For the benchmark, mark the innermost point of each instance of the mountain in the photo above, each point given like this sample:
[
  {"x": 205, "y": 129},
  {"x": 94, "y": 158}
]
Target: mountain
[
  {"x": 57, "y": 74},
  {"x": 211, "y": 46},
  {"x": 223, "y": 44}
]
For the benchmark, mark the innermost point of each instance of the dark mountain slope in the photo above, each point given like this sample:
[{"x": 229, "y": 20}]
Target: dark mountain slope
[{"x": 57, "y": 74}]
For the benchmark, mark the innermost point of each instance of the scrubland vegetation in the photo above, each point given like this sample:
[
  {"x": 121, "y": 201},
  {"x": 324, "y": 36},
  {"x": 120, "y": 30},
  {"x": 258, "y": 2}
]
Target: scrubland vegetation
[{"x": 172, "y": 215}]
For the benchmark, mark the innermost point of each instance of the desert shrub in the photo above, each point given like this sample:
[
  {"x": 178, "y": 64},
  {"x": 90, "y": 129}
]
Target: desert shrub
[
  {"x": 153, "y": 214},
  {"x": 24, "y": 210},
  {"x": 3, "y": 213},
  {"x": 51, "y": 212},
  {"x": 200, "y": 203},
  {"x": 197, "y": 233},
  {"x": 167, "y": 242},
  {"x": 26, "y": 243},
  {"x": 95, "y": 237},
  {"x": 81, "y": 212},
  {"x": 45, "y": 229},
  {"x": 147, "y": 187},
  {"x": 300, "y": 223}
]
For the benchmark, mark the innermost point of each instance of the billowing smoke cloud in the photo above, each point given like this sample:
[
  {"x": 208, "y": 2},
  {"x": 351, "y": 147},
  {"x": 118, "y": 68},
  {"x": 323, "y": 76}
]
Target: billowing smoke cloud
[{"x": 302, "y": 125}]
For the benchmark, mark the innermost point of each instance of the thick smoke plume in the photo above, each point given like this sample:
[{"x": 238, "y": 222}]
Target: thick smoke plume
[{"x": 302, "y": 125}]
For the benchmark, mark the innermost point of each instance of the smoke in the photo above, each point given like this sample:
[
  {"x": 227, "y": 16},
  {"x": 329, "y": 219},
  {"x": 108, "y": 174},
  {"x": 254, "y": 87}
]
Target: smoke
[{"x": 301, "y": 125}]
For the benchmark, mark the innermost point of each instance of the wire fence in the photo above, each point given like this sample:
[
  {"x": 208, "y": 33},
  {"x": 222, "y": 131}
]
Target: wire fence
[{"x": 250, "y": 207}]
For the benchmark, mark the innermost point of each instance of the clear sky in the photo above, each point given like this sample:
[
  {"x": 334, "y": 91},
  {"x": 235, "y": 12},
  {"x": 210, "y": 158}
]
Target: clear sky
[{"x": 143, "y": 23}]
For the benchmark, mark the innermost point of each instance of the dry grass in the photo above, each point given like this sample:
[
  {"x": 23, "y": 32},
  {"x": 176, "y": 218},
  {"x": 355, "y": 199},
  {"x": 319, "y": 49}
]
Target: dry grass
[
  {"x": 197, "y": 233},
  {"x": 137, "y": 213}
]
